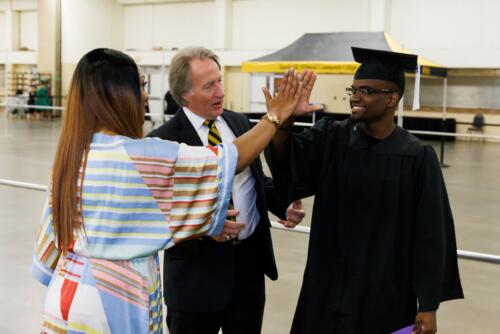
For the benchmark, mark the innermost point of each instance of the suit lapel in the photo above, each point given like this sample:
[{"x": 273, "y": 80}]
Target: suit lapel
[
  {"x": 186, "y": 132},
  {"x": 233, "y": 124}
]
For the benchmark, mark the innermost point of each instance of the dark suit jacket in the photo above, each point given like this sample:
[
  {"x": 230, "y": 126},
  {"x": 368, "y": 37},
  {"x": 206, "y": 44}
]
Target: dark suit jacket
[{"x": 198, "y": 274}]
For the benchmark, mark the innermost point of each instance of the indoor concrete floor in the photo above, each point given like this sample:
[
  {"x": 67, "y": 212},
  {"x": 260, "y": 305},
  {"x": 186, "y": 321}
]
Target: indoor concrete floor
[{"x": 26, "y": 152}]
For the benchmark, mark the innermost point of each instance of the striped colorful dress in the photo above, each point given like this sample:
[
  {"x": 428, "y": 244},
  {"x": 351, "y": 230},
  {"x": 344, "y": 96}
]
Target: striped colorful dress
[{"x": 139, "y": 196}]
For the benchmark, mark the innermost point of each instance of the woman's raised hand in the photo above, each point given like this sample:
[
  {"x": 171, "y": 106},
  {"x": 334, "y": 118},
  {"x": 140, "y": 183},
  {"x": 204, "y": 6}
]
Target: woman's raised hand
[{"x": 253, "y": 142}]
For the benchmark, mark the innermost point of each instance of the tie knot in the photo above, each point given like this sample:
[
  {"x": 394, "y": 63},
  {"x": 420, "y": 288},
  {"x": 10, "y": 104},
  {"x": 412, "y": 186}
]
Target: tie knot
[{"x": 209, "y": 123}]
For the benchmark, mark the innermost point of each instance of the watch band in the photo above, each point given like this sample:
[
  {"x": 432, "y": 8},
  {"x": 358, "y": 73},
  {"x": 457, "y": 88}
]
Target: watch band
[{"x": 273, "y": 118}]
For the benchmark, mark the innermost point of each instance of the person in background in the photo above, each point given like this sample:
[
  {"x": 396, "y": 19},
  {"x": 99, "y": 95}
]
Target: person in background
[
  {"x": 30, "y": 112},
  {"x": 115, "y": 199},
  {"x": 212, "y": 284},
  {"x": 42, "y": 98},
  {"x": 382, "y": 250},
  {"x": 14, "y": 104}
]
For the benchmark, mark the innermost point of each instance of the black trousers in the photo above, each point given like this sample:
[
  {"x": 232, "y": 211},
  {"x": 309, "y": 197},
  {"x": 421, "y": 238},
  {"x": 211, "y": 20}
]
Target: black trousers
[{"x": 245, "y": 310}]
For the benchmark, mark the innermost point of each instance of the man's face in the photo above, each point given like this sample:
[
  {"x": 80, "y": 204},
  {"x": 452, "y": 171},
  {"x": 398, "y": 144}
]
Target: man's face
[
  {"x": 375, "y": 106},
  {"x": 207, "y": 92}
]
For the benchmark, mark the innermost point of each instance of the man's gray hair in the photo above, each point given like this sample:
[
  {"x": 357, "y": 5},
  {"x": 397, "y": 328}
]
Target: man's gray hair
[{"x": 179, "y": 78}]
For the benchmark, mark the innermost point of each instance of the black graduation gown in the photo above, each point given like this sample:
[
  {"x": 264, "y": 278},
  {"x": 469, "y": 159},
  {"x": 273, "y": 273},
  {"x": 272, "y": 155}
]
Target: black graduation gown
[{"x": 382, "y": 232}]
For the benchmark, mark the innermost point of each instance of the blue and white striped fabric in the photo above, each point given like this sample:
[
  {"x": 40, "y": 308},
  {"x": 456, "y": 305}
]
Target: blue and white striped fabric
[{"x": 138, "y": 197}]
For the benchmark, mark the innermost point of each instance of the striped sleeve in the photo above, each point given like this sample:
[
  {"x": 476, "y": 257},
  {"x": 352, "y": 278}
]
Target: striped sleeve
[
  {"x": 45, "y": 253},
  {"x": 141, "y": 196},
  {"x": 201, "y": 190}
]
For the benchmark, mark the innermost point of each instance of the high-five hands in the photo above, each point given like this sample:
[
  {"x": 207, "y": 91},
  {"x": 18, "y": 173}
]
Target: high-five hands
[
  {"x": 294, "y": 214},
  {"x": 231, "y": 229},
  {"x": 308, "y": 78},
  {"x": 289, "y": 95}
]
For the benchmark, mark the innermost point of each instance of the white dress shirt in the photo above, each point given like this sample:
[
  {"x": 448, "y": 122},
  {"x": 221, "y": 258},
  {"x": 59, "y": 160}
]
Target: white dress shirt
[{"x": 244, "y": 194}]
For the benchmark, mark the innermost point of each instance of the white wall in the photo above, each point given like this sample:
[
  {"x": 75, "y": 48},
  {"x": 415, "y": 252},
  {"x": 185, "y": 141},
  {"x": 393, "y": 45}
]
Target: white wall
[
  {"x": 169, "y": 25},
  {"x": 256, "y": 24},
  {"x": 24, "y": 4},
  {"x": 2, "y": 77},
  {"x": 3, "y": 37},
  {"x": 89, "y": 24},
  {"x": 86, "y": 25},
  {"x": 273, "y": 24},
  {"x": 473, "y": 92},
  {"x": 463, "y": 92},
  {"x": 28, "y": 30},
  {"x": 24, "y": 29},
  {"x": 138, "y": 27},
  {"x": 18, "y": 4},
  {"x": 452, "y": 32},
  {"x": 457, "y": 33}
]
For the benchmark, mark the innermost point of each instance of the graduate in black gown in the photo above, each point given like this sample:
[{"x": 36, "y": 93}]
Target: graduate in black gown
[{"x": 382, "y": 251}]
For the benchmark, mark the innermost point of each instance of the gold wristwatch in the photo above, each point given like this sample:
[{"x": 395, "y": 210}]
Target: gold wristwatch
[{"x": 273, "y": 118}]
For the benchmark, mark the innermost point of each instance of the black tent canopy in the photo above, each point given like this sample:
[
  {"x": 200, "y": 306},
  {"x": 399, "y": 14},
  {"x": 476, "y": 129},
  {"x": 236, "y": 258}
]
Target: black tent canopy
[{"x": 331, "y": 53}]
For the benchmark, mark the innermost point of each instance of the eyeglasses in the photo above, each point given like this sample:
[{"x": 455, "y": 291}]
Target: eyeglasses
[{"x": 365, "y": 91}]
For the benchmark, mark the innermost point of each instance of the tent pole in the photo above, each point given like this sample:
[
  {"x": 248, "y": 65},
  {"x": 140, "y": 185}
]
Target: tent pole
[
  {"x": 243, "y": 76},
  {"x": 445, "y": 89},
  {"x": 443, "y": 122},
  {"x": 249, "y": 106}
]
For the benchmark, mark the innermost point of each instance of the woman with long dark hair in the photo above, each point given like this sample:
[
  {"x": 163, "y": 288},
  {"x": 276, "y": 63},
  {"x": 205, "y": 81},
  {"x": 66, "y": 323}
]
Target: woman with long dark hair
[{"x": 115, "y": 199}]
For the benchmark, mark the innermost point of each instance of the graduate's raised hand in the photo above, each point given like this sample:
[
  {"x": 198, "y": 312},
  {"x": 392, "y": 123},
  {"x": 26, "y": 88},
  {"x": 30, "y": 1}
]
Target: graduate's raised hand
[
  {"x": 425, "y": 323},
  {"x": 287, "y": 98},
  {"x": 308, "y": 78}
]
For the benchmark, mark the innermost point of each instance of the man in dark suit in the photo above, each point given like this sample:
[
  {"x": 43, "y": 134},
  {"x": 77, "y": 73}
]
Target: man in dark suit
[{"x": 212, "y": 284}]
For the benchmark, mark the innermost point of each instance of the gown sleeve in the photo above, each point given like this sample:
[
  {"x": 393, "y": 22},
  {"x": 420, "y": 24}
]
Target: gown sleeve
[
  {"x": 297, "y": 175},
  {"x": 435, "y": 269}
]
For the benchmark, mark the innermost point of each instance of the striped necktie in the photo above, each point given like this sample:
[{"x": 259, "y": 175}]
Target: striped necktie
[{"x": 215, "y": 139}]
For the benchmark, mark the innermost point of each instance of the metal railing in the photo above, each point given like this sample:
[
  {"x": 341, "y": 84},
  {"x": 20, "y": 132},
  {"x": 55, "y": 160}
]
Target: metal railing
[
  {"x": 156, "y": 116},
  {"x": 30, "y": 106},
  {"x": 463, "y": 254},
  {"x": 164, "y": 118},
  {"x": 419, "y": 132}
]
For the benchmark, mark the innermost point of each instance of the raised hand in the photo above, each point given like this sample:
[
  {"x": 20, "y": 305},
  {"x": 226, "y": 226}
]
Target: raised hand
[
  {"x": 231, "y": 229},
  {"x": 308, "y": 78},
  {"x": 289, "y": 93}
]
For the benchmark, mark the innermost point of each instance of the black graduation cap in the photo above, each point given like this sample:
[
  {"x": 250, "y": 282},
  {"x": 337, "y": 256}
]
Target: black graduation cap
[{"x": 384, "y": 65}]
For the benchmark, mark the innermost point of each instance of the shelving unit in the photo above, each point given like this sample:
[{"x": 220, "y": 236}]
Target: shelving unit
[
  {"x": 2, "y": 83},
  {"x": 24, "y": 80}
]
